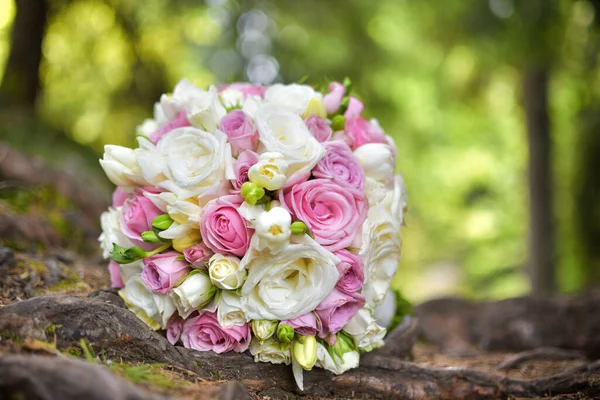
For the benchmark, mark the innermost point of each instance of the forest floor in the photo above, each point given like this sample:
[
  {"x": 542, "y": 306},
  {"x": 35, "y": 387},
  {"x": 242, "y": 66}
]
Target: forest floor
[{"x": 64, "y": 335}]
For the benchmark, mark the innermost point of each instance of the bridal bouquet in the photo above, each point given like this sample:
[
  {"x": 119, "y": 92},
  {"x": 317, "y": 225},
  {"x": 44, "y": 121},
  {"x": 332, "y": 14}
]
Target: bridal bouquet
[{"x": 260, "y": 218}]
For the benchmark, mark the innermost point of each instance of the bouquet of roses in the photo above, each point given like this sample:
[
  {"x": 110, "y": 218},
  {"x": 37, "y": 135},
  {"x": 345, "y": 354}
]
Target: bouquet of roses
[{"x": 256, "y": 217}]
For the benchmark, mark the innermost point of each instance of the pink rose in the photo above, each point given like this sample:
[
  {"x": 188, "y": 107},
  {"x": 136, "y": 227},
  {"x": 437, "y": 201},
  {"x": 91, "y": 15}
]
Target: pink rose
[
  {"x": 340, "y": 165},
  {"x": 336, "y": 310},
  {"x": 333, "y": 213},
  {"x": 162, "y": 271},
  {"x": 319, "y": 128},
  {"x": 359, "y": 131},
  {"x": 355, "y": 108},
  {"x": 306, "y": 324},
  {"x": 240, "y": 129},
  {"x": 351, "y": 269},
  {"x": 179, "y": 122},
  {"x": 203, "y": 333},
  {"x": 198, "y": 255},
  {"x": 136, "y": 217},
  {"x": 245, "y": 160},
  {"x": 174, "y": 329},
  {"x": 223, "y": 229},
  {"x": 333, "y": 99},
  {"x": 115, "y": 275},
  {"x": 119, "y": 197},
  {"x": 247, "y": 89}
]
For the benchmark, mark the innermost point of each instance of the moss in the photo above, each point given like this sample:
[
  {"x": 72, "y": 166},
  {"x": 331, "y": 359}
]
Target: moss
[
  {"x": 153, "y": 374},
  {"x": 73, "y": 351},
  {"x": 70, "y": 284},
  {"x": 8, "y": 335},
  {"x": 51, "y": 329}
]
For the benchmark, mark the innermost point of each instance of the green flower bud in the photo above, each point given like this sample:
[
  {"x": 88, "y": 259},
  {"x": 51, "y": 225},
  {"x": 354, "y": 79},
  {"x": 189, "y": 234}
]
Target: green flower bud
[
  {"x": 264, "y": 328},
  {"x": 348, "y": 85},
  {"x": 298, "y": 228},
  {"x": 150, "y": 237},
  {"x": 124, "y": 255},
  {"x": 252, "y": 192},
  {"x": 343, "y": 344},
  {"x": 162, "y": 222},
  {"x": 338, "y": 123},
  {"x": 304, "y": 349},
  {"x": 285, "y": 333},
  {"x": 344, "y": 104}
]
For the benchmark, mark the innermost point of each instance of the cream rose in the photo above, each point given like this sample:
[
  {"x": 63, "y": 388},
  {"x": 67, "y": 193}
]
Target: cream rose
[
  {"x": 230, "y": 311},
  {"x": 378, "y": 161},
  {"x": 226, "y": 272},
  {"x": 194, "y": 292},
  {"x": 290, "y": 283},
  {"x": 334, "y": 363},
  {"x": 270, "y": 351},
  {"x": 284, "y": 132},
  {"x": 193, "y": 162}
]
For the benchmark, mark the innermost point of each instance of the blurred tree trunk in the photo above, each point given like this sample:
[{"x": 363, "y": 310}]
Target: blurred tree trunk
[
  {"x": 21, "y": 84},
  {"x": 587, "y": 179},
  {"x": 542, "y": 266}
]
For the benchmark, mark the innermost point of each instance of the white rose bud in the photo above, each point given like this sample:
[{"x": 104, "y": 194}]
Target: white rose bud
[
  {"x": 270, "y": 171},
  {"x": 225, "y": 272},
  {"x": 194, "y": 292},
  {"x": 121, "y": 166},
  {"x": 270, "y": 351},
  {"x": 264, "y": 328},
  {"x": 272, "y": 229},
  {"x": 230, "y": 311}
]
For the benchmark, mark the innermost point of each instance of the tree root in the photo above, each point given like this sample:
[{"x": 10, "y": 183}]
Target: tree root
[
  {"x": 110, "y": 328},
  {"x": 542, "y": 353}
]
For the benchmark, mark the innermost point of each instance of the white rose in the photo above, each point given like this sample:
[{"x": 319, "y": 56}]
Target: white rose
[
  {"x": 380, "y": 252},
  {"x": 367, "y": 334},
  {"x": 395, "y": 199},
  {"x": 203, "y": 108},
  {"x": 285, "y": 132},
  {"x": 334, "y": 363},
  {"x": 272, "y": 229},
  {"x": 270, "y": 351},
  {"x": 378, "y": 161},
  {"x": 229, "y": 312},
  {"x": 121, "y": 166},
  {"x": 111, "y": 231},
  {"x": 270, "y": 171},
  {"x": 226, "y": 272},
  {"x": 290, "y": 283},
  {"x": 385, "y": 312},
  {"x": 294, "y": 97},
  {"x": 193, "y": 162},
  {"x": 194, "y": 292},
  {"x": 157, "y": 307}
]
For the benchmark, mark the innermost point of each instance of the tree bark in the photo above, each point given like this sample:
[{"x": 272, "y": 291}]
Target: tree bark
[
  {"x": 21, "y": 84},
  {"x": 542, "y": 263}
]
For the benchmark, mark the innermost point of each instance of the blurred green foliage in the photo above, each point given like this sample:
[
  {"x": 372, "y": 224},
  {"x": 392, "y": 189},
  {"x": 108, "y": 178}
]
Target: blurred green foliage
[{"x": 443, "y": 78}]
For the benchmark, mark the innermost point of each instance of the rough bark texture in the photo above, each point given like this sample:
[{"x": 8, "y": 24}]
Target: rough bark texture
[
  {"x": 104, "y": 323},
  {"x": 519, "y": 324}
]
